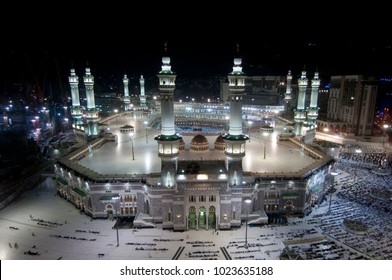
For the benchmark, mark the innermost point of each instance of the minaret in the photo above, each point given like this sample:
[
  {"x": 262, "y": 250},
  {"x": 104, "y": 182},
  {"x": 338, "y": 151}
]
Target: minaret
[
  {"x": 313, "y": 109},
  {"x": 235, "y": 140},
  {"x": 142, "y": 94},
  {"x": 76, "y": 109},
  {"x": 168, "y": 140},
  {"x": 91, "y": 112},
  {"x": 126, "y": 93},
  {"x": 287, "y": 95},
  {"x": 300, "y": 112}
]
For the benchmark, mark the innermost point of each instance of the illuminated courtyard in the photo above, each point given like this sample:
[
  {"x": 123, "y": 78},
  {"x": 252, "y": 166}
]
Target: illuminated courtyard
[{"x": 116, "y": 157}]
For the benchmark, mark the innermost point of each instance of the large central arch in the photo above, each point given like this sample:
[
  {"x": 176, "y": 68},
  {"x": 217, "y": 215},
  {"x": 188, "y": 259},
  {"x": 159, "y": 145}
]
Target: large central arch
[
  {"x": 201, "y": 218},
  {"x": 212, "y": 217},
  {"x": 192, "y": 220}
]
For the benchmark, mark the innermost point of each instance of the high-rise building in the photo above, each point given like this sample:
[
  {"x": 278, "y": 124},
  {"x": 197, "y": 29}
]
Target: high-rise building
[{"x": 351, "y": 105}]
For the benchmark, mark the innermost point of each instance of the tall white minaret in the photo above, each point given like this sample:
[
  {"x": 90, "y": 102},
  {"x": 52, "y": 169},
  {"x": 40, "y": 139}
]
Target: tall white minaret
[
  {"x": 76, "y": 108},
  {"x": 142, "y": 93},
  {"x": 300, "y": 112},
  {"x": 287, "y": 95},
  {"x": 313, "y": 109},
  {"x": 126, "y": 93},
  {"x": 168, "y": 140},
  {"x": 92, "y": 112},
  {"x": 235, "y": 140}
]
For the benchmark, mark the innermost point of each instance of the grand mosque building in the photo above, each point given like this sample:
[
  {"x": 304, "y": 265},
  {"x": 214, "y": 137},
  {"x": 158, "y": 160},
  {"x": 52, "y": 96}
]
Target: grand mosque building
[{"x": 227, "y": 171}]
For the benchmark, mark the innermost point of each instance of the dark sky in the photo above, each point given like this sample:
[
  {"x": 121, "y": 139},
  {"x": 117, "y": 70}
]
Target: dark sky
[{"x": 117, "y": 39}]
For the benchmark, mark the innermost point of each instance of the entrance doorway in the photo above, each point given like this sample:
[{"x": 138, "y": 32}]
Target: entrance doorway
[
  {"x": 192, "y": 218},
  {"x": 202, "y": 217},
  {"x": 211, "y": 217}
]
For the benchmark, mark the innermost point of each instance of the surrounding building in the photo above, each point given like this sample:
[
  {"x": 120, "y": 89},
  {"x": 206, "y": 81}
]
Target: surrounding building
[{"x": 351, "y": 106}]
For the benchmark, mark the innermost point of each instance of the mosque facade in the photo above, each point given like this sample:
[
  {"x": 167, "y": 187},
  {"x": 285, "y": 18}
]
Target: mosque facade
[{"x": 187, "y": 195}]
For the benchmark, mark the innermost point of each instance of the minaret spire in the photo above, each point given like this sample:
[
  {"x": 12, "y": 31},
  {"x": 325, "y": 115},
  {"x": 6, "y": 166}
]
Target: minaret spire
[
  {"x": 126, "y": 92},
  {"x": 165, "y": 47},
  {"x": 313, "y": 109},
  {"x": 142, "y": 93},
  {"x": 92, "y": 112},
  {"x": 300, "y": 112},
  {"x": 89, "y": 84},
  {"x": 168, "y": 140},
  {"x": 235, "y": 140},
  {"x": 315, "y": 87},
  {"x": 287, "y": 95},
  {"x": 76, "y": 110}
]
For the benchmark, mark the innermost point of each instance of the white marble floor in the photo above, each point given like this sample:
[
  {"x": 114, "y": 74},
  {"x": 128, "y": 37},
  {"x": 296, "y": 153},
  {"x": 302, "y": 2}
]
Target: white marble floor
[{"x": 117, "y": 157}]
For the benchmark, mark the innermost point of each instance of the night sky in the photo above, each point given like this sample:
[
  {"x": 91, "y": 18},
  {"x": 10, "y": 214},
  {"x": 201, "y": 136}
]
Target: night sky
[{"x": 113, "y": 40}]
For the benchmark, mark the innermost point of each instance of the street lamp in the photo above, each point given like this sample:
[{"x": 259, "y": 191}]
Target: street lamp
[
  {"x": 132, "y": 133},
  {"x": 250, "y": 128},
  {"x": 334, "y": 172},
  {"x": 358, "y": 151},
  {"x": 265, "y": 143},
  {"x": 117, "y": 199},
  {"x": 247, "y": 200},
  {"x": 115, "y": 112},
  {"x": 385, "y": 126},
  {"x": 146, "y": 123}
]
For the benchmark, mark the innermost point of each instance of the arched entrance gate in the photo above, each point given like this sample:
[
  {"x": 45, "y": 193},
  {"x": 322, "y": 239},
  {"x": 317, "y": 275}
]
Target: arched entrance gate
[{"x": 201, "y": 218}]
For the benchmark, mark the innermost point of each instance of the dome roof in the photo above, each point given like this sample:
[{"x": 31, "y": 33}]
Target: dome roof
[
  {"x": 220, "y": 143},
  {"x": 181, "y": 145},
  {"x": 199, "y": 139},
  {"x": 199, "y": 143},
  {"x": 219, "y": 140}
]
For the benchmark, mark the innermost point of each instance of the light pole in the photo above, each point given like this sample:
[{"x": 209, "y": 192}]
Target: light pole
[
  {"x": 385, "y": 126},
  {"x": 115, "y": 112},
  {"x": 247, "y": 201},
  {"x": 333, "y": 172},
  {"x": 117, "y": 199},
  {"x": 250, "y": 128},
  {"x": 146, "y": 123},
  {"x": 326, "y": 129},
  {"x": 133, "y": 152},
  {"x": 358, "y": 151},
  {"x": 265, "y": 143},
  {"x": 330, "y": 198}
]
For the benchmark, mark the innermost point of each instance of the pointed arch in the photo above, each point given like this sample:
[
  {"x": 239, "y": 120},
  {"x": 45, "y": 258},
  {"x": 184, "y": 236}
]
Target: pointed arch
[{"x": 211, "y": 217}]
